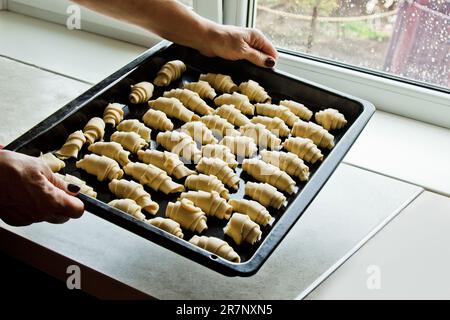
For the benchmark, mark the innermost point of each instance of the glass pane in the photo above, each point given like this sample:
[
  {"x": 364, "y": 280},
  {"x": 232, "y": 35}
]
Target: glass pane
[
  {"x": 188, "y": 3},
  {"x": 408, "y": 38}
]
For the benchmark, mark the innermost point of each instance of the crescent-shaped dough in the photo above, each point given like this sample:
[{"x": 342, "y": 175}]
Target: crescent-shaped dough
[
  {"x": 129, "y": 140},
  {"x": 203, "y": 88},
  {"x": 132, "y": 190},
  {"x": 128, "y": 206},
  {"x": 173, "y": 107},
  {"x": 166, "y": 161},
  {"x": 272, "y": 110},
  {"x": 167, "y": 225},
  {"x": 241, "y": 146},
  {"x": 242, "y": 229},
  {"x": 220, "y": 151},
  {"x": 152, "y": 176},
  {"x": 157, "y": 120},
  {"x": 216, "y": 246},
  {"x": 298, "y": 109},
  {"x": 181, "y": 144},
  {"x": 261, "y": 136},
  {"x": 275, "y": 125},
  {"x": 239, "y": 101},
  {"x": 210, "y": 202},
  {"x": 84, "y": 188},
  {"x": 220, "y": 169},
  {"x": 207, "y": 183},
  {"x": 199, "y": 132},
  {"x": 288, "y": 162},
  {"x": 265, "y": 194},
  {"x": 220, "y": 82},
  {"x": 304, "y": 148},
  {"x": 330, "y": 119},
  {"x": 256, "y": 211},
  {"x": 232, "y": 115},
  {"x": 136, "y": 126},
  {"x": 94, "y": 130},
  {"x": 169, "y": 72},
  {"x": 270, "y": 174},
  {"x": 191, "y": 100},
  {"x": 72, "y": 146},
  {"x": 311, "y": 130},
  {"x": 113, "y": 114},
  {"x": 103, "y": 167},
  {"x": 187, "y": 215},
  {"x": 141, "y": 92},
  {"x": 254, "y": 91},
  {"x": 219, "y": 125},
  {"x": 111, "y": 150},
  {"x": 52, "y": 162}
]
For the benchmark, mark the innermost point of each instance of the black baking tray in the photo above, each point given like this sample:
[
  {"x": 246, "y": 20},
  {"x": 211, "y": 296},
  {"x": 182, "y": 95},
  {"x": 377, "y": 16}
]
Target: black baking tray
[{"x": 51, "y": 133}]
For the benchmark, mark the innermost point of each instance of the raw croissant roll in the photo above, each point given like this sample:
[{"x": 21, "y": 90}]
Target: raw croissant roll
[
  {"x": 152, "y": 176},
  {"x": 241, "y": 228},
  {"x": 199, "y": 132},
  {"x": 141, "y": 92},
  {"x": 128, "y": 206},
  {"x": 157, "y": 120},
  {"x": 310, "y": 130},
  {"x": 219, "y": 125},
  {"x": 261, "y": 136},
  {"x": 240, "y": 101},
  {"x": 94, "y": 130},
  {"x": 111, "y": 150},
  {"x": 100, "y": 166},
  {"x": 203, "y": 88},
  {"x": 330, "y": 119},
  {"x": 241, "y": 146},
  {"x": 84, "y": 188},
  {"x": 254, "y": 92},
  {"x": 275, "y": 125},
  {"x": 270, "y": 174},
  {"x": 220, "y": 169},
  {"x": 232, "y": 115},
  {"x": 298, "y": 109},
  {"x": 167, "y": 225},
  {"x": 272, "y": 110},
  {"x": 191, "y": 100},
  {"x": 220, "y": 151},
  {"x": 304, "y": 148},
  {"x": 169, "y": 72},
  {"x": 173, "y": 107},
  {"x": 166, "y": 161},
  {"x": 129, "y": 140},
  {"x": 265, "y": 194},
  {"x": 125, "y": 189},
  {"x": 136, "y": 126},
  {"x": 179, "y": 143},
  {"x": 210, "y": 202},
  {"x": 52, "y": 162},
  {"x": 187, "y": 215},
  {"x": 72, "y": 146},
  {"x": 220, "y": 82},
  {"x": 216, "y": 246},
  {"x": 288, "y": 162},
  {"x": 207, "y": 183},
  {"x": 113, "y": 114},
  {"x": 256, "y": 211}
]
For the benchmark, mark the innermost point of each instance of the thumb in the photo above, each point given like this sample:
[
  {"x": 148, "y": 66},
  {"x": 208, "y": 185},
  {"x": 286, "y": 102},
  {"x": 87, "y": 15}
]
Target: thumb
[
  {"x": 69, "y": 188},
  {"x": 258, "y": 58}
]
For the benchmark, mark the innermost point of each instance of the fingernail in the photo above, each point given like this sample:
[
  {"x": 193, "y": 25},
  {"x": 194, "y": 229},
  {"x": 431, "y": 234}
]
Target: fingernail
[
  {"x": 73, "y": 188},
  {"x": 270, "y": 62}
]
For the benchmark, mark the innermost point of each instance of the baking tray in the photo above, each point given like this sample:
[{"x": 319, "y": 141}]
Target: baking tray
[{"x": 51, "y": 133}]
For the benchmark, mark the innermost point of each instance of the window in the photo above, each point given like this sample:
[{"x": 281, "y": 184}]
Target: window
[{"x": 405, "y": 38}]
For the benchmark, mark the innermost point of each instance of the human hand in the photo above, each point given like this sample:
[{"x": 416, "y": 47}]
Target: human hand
[{"x": 30, "y": 192}]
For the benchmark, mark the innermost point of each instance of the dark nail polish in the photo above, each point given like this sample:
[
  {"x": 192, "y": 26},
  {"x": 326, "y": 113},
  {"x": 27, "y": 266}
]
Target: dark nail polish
[
  {"x": 269, "y": 62},
  {"x": 73, "y": 188}
]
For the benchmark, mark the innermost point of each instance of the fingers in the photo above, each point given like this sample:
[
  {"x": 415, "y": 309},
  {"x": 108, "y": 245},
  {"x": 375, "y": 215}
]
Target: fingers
[
  {"x": 260, "y": 42},
  {"x": 258, "y": 58}
]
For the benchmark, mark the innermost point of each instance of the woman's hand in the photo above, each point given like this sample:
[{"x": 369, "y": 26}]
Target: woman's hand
[
  {"x": 30, "y": 192},
  {"x": 236, "y": 43}
]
